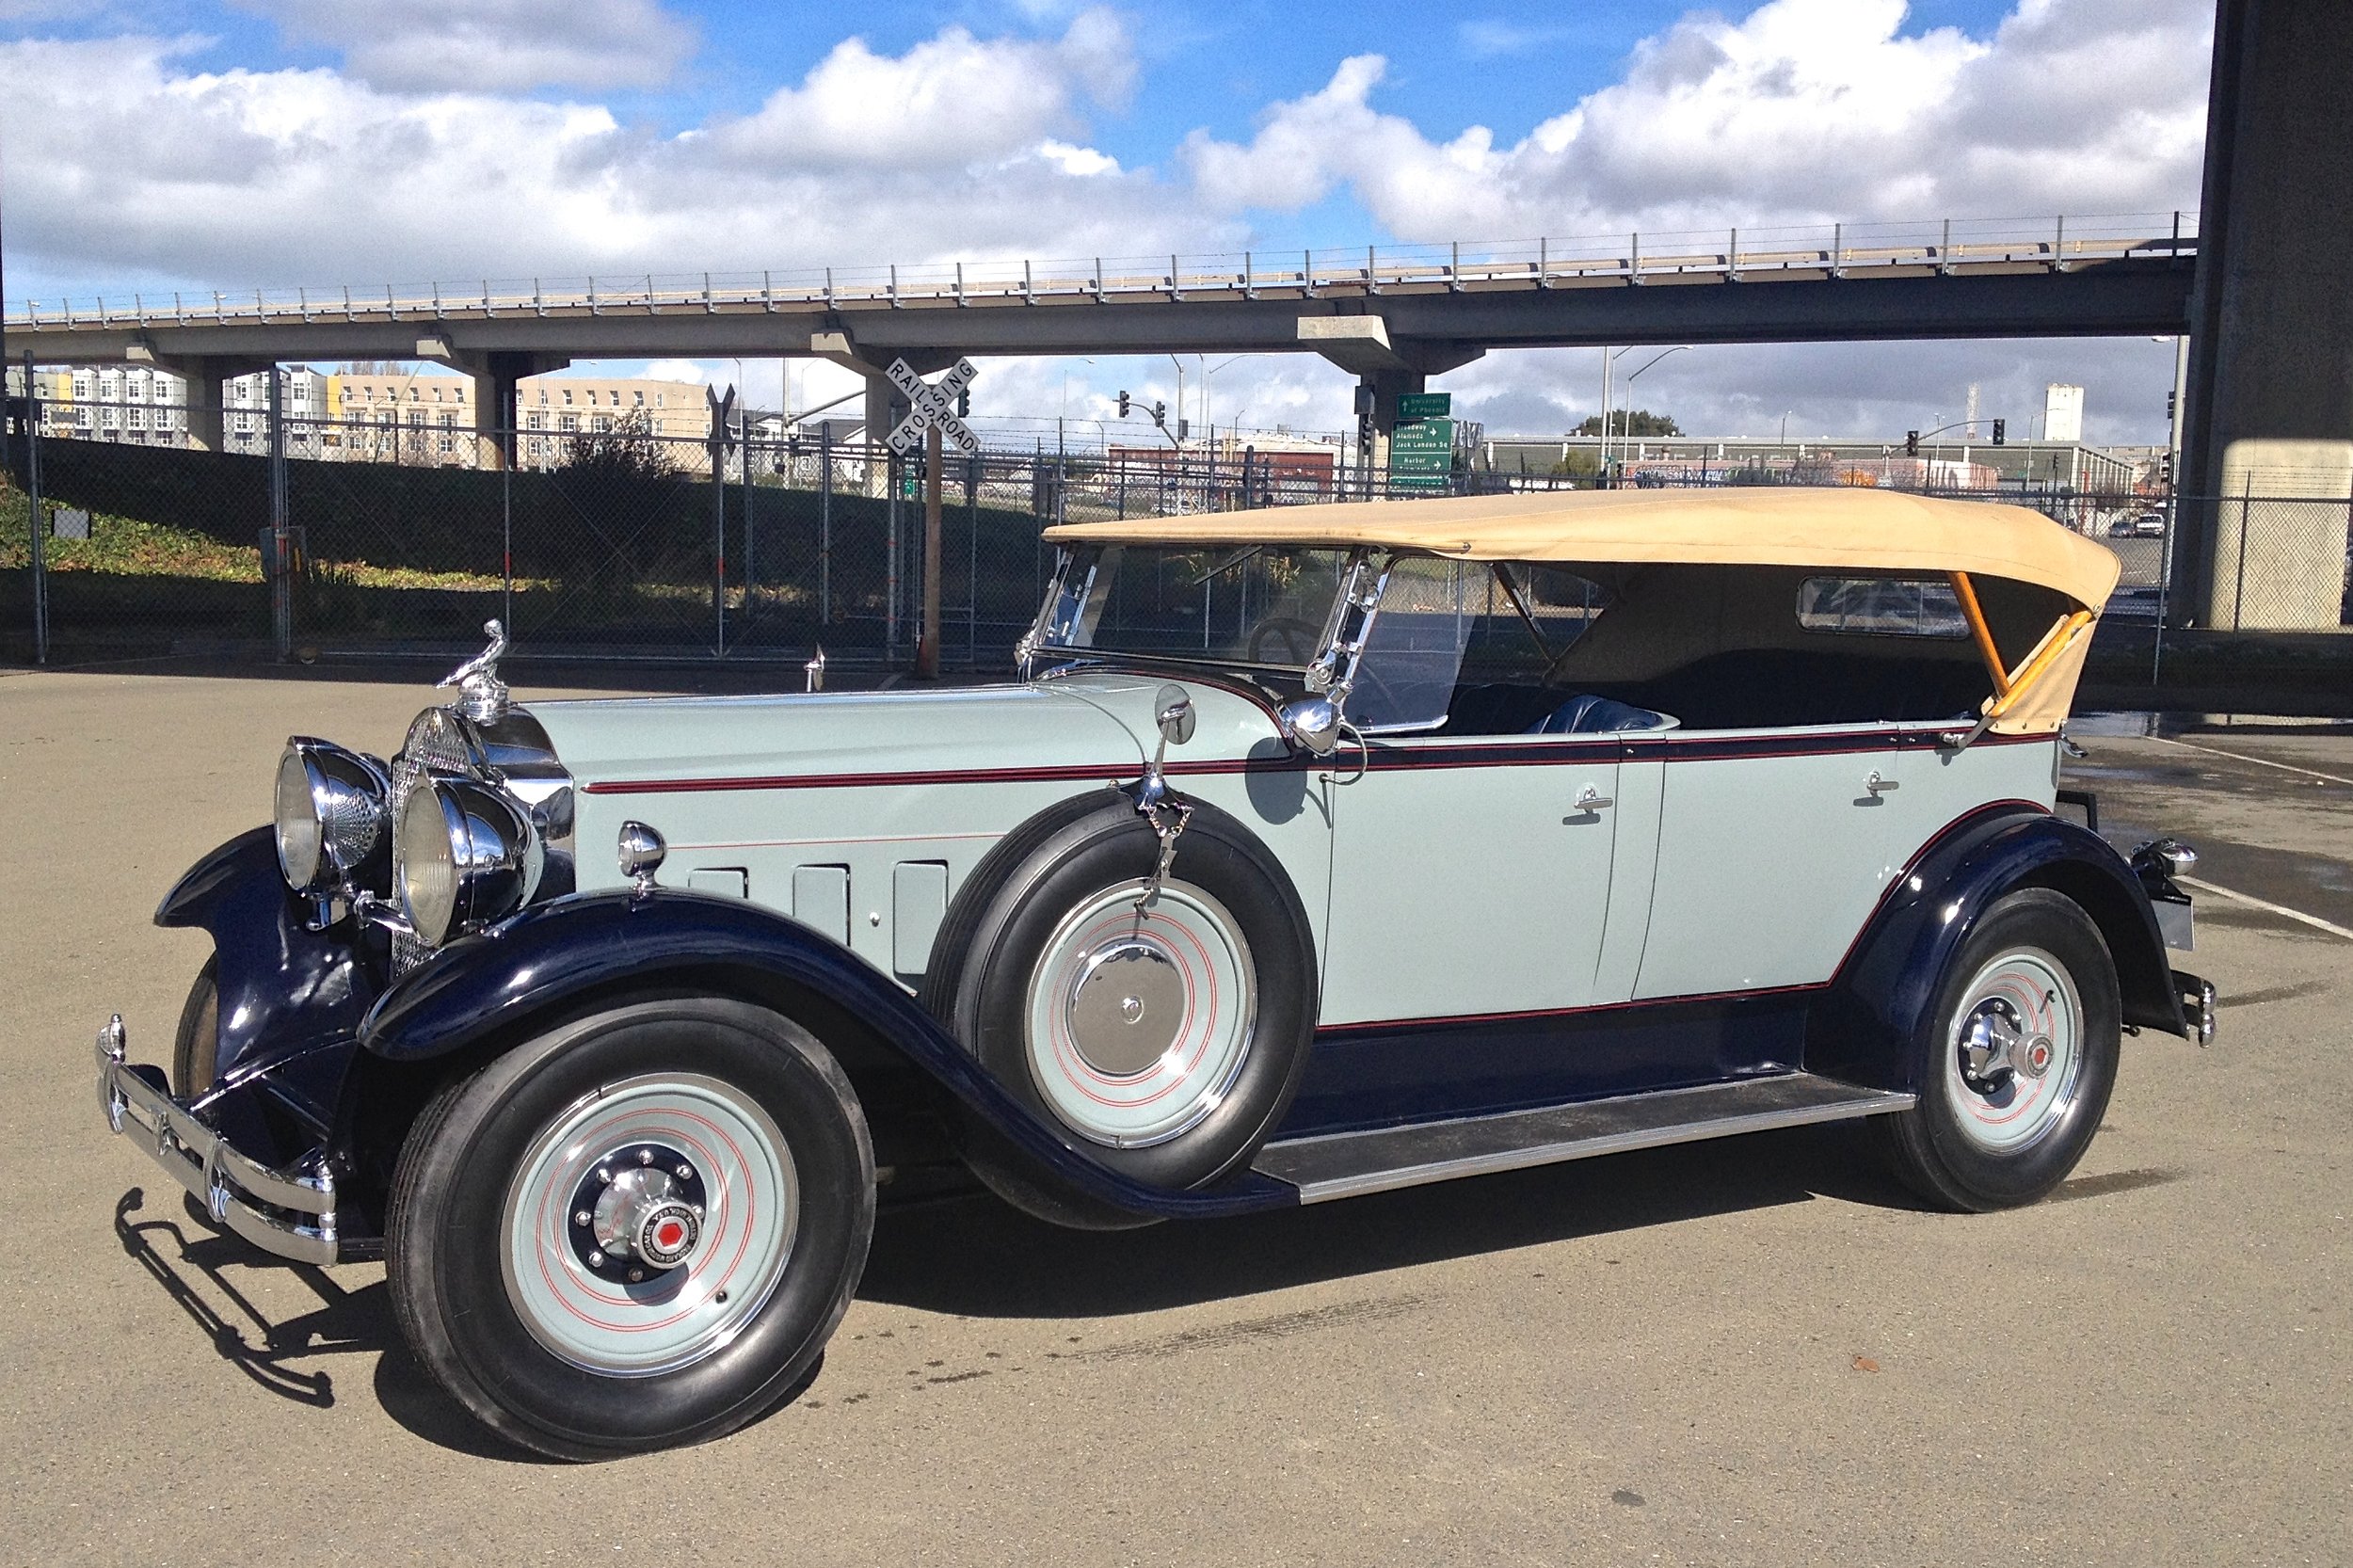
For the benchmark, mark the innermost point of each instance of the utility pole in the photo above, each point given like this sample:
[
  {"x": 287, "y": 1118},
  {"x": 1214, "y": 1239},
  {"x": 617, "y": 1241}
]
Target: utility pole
[
  {"x": 281, "y": 531},
  {"x": 32, "y": 511},
  {"x": 927, "y": 651}
]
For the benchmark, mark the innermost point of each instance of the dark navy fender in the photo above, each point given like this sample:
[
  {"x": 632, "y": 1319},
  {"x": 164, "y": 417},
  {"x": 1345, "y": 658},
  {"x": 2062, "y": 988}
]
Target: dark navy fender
[
  {"x": 290, "y": 999},
  {"x": 598, "y": 942},
  {"x": 1867, "y": 1027}
]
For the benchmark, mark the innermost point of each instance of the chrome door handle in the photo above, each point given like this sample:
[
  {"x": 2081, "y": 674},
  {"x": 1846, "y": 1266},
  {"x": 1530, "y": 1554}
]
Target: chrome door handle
[
  {"x": 1590, "y": 799},
  {"x": 1878, "y": 785}
]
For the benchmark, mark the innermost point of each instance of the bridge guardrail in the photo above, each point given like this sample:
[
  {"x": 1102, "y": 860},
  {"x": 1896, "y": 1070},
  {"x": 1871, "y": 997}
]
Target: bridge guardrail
[{"x": 2061, "y": 243}]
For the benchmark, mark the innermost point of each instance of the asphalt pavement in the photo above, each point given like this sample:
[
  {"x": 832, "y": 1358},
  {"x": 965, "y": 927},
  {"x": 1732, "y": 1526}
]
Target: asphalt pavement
[{"x": 1751, "y": 1352}]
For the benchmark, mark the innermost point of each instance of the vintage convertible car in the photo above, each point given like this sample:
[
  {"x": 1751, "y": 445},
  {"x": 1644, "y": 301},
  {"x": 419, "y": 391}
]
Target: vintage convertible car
[{"x": 1316, "y": 853}]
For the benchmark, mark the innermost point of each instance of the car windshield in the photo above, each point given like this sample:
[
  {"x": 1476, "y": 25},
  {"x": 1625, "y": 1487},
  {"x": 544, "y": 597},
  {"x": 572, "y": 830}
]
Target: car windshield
[{"x": 1255, "y": 605}]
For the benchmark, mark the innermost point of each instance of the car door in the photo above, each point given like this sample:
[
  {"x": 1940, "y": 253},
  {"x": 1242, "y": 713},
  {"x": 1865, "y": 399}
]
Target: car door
[
  {"x": 1472, "y": 875},
  {"x": 1774, "y": 846},
  {"x": 1469, "y": 876}
]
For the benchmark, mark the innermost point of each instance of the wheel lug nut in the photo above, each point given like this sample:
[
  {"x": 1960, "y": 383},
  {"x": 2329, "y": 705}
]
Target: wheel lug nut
[
  {"x": 596, "y": 1260},
  {"x": 637, "y": 1277},
  {"x": 687, "y": 1173},
  {"x": 645, "y": 1157},
  {"x": 582, "y": 1217},
  {"x": 604, "y": 1174},
  {"x": 698, "y": 1208}
]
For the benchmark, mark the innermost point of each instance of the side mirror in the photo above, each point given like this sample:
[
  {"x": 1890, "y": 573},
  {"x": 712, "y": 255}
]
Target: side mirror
[
  {"x": 1312, "y": 722},
  {"x": 1175, "y": 716}
]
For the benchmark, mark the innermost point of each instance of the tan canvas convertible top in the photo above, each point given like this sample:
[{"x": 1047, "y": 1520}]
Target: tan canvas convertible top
[
  {"x": 1872, "y": 530},
  {"x": 1859, "y": 529}
]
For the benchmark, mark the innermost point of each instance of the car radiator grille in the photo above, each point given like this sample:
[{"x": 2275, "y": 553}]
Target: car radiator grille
[{"x": 430, "y": 748}]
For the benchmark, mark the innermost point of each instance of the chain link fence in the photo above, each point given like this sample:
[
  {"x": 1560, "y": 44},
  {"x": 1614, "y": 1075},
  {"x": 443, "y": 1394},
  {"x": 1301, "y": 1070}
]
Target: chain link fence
[{"x": 617, "y": 544}]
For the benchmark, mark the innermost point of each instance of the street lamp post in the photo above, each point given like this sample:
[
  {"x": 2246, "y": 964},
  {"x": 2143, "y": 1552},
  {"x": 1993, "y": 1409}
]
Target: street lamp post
[{"x": 1631, "y": 379}]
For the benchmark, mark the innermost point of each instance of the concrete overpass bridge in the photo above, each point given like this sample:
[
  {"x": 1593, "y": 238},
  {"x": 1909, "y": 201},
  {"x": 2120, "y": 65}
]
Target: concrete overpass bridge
[{"x": 1391, "y": 316}]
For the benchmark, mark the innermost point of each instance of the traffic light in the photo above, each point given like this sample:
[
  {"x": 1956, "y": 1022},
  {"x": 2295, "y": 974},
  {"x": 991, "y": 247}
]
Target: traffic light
[
  {"x": 963, "y": 403},
  {"x": 1123, "y": 405},
  {"x": 1160, "y": 414},
  {"x": 2001, "y": 429},
  {"x": 1912, "y": 444}
]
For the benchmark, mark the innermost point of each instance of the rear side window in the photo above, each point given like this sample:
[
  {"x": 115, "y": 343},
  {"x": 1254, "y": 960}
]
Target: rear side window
[{"x": 1882, "y": 607}]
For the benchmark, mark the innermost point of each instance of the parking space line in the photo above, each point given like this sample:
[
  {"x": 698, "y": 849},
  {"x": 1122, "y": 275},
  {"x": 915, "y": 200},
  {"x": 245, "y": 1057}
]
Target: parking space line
[
  {"x": 2260, "y": 762},
  {"x": 2205, "y": 887}
]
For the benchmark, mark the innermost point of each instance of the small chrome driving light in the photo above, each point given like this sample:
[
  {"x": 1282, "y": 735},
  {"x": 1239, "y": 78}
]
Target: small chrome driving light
[
  {"x": 469, "y": 856},
  {"x": 330, "y": 818},
  {"x": 641, "y": 851}
]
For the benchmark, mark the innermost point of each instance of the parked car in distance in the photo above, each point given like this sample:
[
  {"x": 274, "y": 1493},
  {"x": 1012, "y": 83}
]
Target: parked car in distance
[
  {"x": 2142, "y": 525},
  {"x": 1314, "y": 852}
]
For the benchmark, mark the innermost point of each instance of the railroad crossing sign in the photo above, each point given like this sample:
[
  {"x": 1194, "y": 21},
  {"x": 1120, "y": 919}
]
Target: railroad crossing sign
[{"x": 932, "y": 403}]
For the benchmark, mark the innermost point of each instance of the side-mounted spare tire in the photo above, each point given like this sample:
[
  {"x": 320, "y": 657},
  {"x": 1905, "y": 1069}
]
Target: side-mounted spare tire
[{"x": 1164, "y": 1039}]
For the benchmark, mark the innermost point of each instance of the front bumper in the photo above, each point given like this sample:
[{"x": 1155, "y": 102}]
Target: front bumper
[{"x": 289, "y": 1213}]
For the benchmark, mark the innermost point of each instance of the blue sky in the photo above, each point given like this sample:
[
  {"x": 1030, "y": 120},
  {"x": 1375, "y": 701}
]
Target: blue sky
[{"x": 175, "y": 144}]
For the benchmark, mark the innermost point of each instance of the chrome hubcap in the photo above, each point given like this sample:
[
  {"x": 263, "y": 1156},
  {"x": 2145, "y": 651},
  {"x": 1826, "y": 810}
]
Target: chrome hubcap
[
  {"x": 639, "y": 1213},
  {"x": 1126, "y": 1008},
  {"x": 649, "y": 1224},
  {"x": 1140, "y": 1020},
  {"x": 2016, "y": 1053}
]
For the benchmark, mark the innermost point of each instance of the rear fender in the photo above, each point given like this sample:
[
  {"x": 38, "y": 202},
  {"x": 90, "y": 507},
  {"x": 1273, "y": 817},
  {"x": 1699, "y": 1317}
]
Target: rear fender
[
  {"x": 490, "y": 988},
  {"x": 1867, "y": 1026}
]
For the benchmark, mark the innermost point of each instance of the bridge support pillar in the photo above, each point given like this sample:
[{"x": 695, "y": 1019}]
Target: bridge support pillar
[
  {"x": 1377, "y": 393},
  {"x": 883, "y": 408},
  {"x": 2270, "y": 405},
  {"x": 496, "y": 375},
  {"x": 207, "y": 379}
]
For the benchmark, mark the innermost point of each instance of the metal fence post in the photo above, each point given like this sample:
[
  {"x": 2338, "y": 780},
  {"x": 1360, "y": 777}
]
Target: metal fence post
[
  {"x": 825, "y": 525},
  {"x": 972, "y": 561},
  {"x": 751, "y": 553},
  {"x": 2238, "y": 590},
  {"x": 890, "y": 557},
  {"x": 282, "y": 537},
  {"x": 33, "y": 517},
  {"x": 506, "y": 534},
  {"x": 720, "y": 408}
]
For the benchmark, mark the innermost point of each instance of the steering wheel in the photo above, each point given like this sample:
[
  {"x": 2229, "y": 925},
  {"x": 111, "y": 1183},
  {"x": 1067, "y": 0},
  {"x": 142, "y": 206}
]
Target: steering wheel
[{"x": 1299, "y": 639}]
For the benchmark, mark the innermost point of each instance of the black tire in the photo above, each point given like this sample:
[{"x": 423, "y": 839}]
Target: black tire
[
  {"x": 447, "y": 1238},
  {"x": 995, "y": 938},
  {"x": 1932, "y": 1146},
  {"x": 196, "y": 1048}
]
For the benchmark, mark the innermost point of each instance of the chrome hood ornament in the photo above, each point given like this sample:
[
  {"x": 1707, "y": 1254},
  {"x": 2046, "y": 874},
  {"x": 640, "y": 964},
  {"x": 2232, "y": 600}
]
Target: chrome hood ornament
[{"x": 481, "y": 695}]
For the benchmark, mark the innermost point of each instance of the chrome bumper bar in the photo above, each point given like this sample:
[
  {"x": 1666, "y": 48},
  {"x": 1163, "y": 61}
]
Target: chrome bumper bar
[
  {"x": 2197, "y": 1005},
  {"x": 290, "y": 1214}
]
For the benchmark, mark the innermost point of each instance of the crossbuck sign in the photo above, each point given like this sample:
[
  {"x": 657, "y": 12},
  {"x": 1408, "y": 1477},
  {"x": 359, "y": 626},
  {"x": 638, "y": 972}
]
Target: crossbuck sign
[{"x": 930, "y": 404}]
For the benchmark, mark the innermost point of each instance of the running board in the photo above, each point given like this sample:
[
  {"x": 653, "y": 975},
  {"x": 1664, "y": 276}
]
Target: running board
[{"x": 1346, "y": 1164}]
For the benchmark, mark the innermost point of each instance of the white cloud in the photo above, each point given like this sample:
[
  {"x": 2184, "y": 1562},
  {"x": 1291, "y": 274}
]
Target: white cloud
[
  {"x": 1802, "y": 111},
  {"x": 315, "y": 177},
  {"x": 130, "y": 167},
  {"x": 953, "y": 97},
  {"x": 492, "y": 45}
]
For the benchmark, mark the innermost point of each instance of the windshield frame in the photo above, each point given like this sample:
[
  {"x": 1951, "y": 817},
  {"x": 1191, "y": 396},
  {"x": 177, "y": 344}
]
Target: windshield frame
[{"x": 1334, "y": 670}]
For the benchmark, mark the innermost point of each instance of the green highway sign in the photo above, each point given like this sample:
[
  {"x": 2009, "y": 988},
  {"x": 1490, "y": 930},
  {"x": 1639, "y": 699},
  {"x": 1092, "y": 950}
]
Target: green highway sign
[
  {"x": 1421, "y": 455},
  {"x": 1414, "y": 405}
]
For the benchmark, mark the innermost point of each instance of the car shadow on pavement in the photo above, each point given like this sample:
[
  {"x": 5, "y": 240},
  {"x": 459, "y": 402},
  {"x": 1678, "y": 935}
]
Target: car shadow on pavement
[
  {"x": 187, "y": 1260},
  {"x": 977, "y": 1256}
]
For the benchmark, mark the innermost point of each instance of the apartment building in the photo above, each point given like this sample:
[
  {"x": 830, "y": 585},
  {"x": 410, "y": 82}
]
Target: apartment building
[
  {"x": 411, "y": 415},
  {"x": 124, "y": 404},
  {"x": 407, "y": 417}
]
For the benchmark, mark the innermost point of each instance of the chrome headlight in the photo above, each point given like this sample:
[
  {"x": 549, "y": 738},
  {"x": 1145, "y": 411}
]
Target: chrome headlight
[
  {"x": 469, "y": 856},
  {"x": 331, "y": 817}
]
